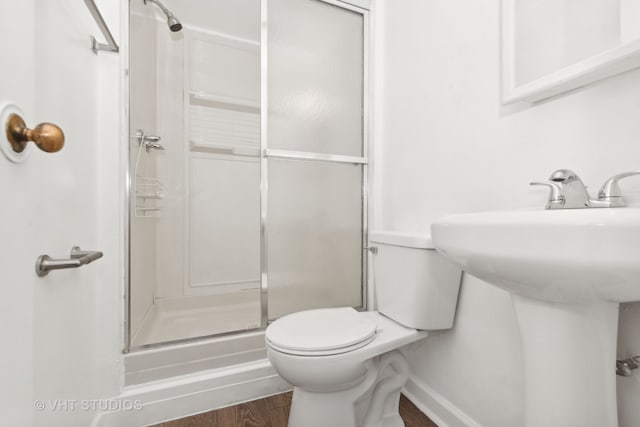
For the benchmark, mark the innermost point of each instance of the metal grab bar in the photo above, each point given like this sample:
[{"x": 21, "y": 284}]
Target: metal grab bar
[{"x": 77, "y": 258}]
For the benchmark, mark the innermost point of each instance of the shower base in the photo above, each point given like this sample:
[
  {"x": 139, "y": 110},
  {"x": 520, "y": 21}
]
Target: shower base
[{"x": 174, "y": 319}]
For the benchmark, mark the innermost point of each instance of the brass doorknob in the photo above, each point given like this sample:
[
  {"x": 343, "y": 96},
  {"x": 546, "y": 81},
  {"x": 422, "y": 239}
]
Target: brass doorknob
[{"x": 47, "y": 136}]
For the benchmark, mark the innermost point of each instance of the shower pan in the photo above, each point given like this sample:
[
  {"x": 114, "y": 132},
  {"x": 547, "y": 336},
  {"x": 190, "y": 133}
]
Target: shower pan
[{"x": 250, "y": 199}]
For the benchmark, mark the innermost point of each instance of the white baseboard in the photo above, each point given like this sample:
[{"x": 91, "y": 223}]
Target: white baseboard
[
  {"x": 435, "y": 406},
  {"x": 179, "y": 397},
  {"x": 187, "y": 395}
]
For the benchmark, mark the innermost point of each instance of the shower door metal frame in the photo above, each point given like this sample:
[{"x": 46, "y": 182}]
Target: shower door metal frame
[
  {"x": 362, "y": 7},
  {"x": 125, "y": 166}
]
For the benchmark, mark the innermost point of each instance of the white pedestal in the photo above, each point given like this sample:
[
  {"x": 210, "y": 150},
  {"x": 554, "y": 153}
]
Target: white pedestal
[{"x": 569, "y": 355}]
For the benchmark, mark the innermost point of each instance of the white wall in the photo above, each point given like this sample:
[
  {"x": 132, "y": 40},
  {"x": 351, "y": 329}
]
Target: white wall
[
  {"x": 629, "y": 19},
  {"x": 449, "y": 147}
]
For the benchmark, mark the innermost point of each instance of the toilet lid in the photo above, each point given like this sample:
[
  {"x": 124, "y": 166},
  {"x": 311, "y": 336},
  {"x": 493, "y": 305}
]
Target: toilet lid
[{"x": 321, "y": 332}]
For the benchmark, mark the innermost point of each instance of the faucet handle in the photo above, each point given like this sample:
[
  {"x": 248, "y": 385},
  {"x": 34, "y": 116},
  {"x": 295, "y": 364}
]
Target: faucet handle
[
  {"x": 610, "y": 191},
  {"x": 556, "y": 198}
]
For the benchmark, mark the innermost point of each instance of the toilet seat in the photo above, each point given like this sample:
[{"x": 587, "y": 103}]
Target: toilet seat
[{"x": 321, "y": 332}]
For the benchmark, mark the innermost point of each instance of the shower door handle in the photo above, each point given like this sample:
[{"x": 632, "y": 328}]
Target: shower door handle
[{"x": 77, "y": 258}]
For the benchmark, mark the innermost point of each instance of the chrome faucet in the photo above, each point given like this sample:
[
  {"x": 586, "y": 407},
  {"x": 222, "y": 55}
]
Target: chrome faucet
[
  {"x": 574, "y": 191},
  {"x": 151, "y": 142},
  {"x": 569, "y": 192},
  {"x": 149, "y": 145}
]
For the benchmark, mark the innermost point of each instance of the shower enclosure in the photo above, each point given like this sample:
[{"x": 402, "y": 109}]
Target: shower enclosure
[{"x": 247, "y": 164}]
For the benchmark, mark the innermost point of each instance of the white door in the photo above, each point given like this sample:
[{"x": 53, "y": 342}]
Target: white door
[{"x": 50, "y": 348}]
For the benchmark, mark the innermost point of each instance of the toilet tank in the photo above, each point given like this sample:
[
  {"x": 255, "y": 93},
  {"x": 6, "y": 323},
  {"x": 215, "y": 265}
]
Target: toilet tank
[{"x": 414, "y": 285}]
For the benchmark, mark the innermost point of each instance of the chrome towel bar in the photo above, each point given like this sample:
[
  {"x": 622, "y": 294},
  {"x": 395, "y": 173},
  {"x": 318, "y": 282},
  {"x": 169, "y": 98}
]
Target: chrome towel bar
[
  {"x": 78, "y": 258},
  {"x": 111, "y": 45}
]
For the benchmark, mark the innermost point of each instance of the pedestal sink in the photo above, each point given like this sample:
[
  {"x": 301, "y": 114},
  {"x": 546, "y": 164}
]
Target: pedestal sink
[{"x": 567, "y": 271}]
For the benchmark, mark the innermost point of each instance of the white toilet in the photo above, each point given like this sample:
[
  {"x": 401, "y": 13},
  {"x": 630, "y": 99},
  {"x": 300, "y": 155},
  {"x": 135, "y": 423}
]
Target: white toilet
[{"x": 345, "y": 365}]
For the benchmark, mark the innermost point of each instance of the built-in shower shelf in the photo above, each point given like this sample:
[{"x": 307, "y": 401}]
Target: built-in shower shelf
[
  {"x": 207, "y": 147},
  {"x": 216, "y": 127},
  {"x": 222, "y": 101},
  {"x": 150, "y": 196}
]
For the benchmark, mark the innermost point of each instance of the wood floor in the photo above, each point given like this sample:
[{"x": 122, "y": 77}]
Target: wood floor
[{"x": 273, "y": 412}]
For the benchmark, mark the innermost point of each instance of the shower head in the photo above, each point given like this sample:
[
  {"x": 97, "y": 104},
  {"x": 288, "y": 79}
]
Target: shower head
[{"x": 173, "y": 22}]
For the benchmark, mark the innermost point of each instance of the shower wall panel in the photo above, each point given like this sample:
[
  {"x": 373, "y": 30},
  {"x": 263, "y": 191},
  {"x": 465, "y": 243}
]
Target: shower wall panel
[
  {"x": 171, "y": 163},
  {"x": 222, "y": 102},
  {"x": 142, "y": 116},
  {"x": 225, "y": 227}
]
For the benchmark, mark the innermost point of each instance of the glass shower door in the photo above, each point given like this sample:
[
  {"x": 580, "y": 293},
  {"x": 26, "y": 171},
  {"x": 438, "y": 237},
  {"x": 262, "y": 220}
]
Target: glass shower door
[{"x": 316, "y": 156}]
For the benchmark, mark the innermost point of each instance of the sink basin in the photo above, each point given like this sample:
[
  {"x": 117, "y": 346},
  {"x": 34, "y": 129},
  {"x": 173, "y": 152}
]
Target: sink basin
[
  {"x": 572, "y": 255},
  {"x": 567, "y": 271}
]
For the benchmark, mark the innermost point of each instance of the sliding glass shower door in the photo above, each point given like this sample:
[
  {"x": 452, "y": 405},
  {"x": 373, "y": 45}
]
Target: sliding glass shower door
[
  {"x": 248, "y": 165},
  {"x": 315, "y": 156}
]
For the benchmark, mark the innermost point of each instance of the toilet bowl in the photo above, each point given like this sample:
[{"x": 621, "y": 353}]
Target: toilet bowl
[
  {"x": 328, "y": 382},
  {"x": 346, "y": 366}
]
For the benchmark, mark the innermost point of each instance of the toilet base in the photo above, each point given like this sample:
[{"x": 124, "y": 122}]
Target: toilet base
[{"x": 373, "y": 402}]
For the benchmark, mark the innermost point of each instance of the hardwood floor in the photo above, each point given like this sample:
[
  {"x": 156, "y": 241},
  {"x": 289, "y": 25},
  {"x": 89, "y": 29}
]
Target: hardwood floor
[
  {"x": 273, "y": 412},
  {"x": 412, "y": 416}
]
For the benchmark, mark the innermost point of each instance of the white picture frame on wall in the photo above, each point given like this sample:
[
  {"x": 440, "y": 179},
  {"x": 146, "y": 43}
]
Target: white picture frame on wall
[{"x": 604, "y": 64}]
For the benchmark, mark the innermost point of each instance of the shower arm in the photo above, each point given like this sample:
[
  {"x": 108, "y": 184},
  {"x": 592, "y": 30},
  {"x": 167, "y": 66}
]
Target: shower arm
[
  {"x": 160, "y": 5},
  {"x": 173, "y": 22}
]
